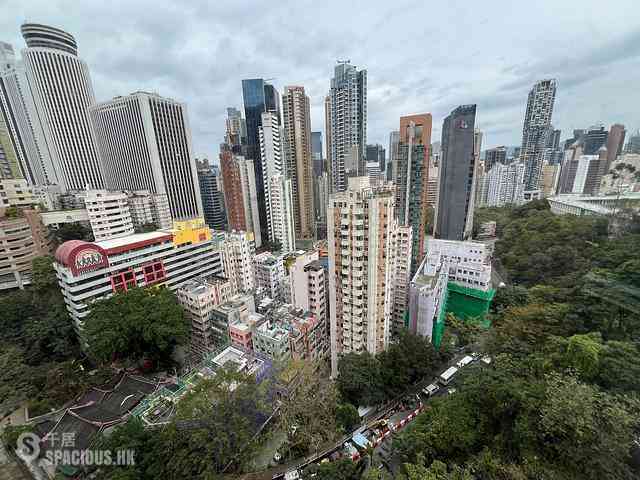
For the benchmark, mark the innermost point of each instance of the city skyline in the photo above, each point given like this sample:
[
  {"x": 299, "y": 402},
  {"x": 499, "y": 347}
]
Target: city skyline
[{"x": 193, "y": 61}]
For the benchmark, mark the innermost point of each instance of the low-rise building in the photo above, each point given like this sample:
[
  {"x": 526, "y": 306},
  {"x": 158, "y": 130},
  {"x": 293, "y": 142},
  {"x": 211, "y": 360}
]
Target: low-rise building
[
  {"x": 198, "y": 297},
  {"x": 236, "y": 309},
  {"x": 290, "y": 333},
  {"x": 601, "y": 205},
  {"x": 269, "y": 270},
  {"x": 427, "y": 299},
  {"x": 88, "y": 271},
  {"x": 454, "y": 277},
  {"x": 241, "y": 330}
]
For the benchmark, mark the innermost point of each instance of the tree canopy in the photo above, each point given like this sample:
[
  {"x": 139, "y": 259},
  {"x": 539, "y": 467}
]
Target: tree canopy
[{"x": 135, "y": 324}]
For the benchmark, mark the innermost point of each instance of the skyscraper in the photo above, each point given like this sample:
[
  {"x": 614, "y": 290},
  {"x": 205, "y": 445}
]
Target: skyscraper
[
  {"x": 43, "y": 100},
  {"x": 316, "y": 153},
  {"x": 394, "y": 139},
  {"x": 376, "y": 153},
  {"x": 360, "y": 226},
  {"x": 411, "y": 178},
  {"x": 454, "y": 209},
  {"x": 258, "y": 97},
  {"x": 62, "y": 92},
  {"x": 23, "y": 125},
  {"x": 327, "y": 140},
  {"x": 493, "y": 156},
  {"x": 145, "y": 144},
  {"x": 348, "y": 123},
  {"x": 535, "y": 132},
  {"x": 211, "y": 192},
  {"x": 271, "y": 159},
  {"x": 633, "y": 145},
  {"x": 240, "y": 195},
  {"x": 594, "y": 138},
  {"x": 235, "y": 130},
  {"x": 281, "y": 212},
  {"x": 296, "y": 115}
]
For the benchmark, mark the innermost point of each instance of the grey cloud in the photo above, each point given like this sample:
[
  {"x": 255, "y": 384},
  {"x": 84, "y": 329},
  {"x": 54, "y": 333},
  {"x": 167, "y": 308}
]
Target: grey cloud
[{"x": 420, "y": 56}]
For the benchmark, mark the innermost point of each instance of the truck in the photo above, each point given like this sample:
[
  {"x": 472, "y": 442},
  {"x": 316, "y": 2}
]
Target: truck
[
  {"x": 446, "y": 376},
  {"x": 464, "y": 361}
]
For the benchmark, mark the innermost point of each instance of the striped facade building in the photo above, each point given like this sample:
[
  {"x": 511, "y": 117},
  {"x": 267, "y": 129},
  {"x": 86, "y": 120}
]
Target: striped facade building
[
  {"x": 145, "y": 144},
  {"x": 45, "y": 100},
  {"x": 89, "y": 271}
]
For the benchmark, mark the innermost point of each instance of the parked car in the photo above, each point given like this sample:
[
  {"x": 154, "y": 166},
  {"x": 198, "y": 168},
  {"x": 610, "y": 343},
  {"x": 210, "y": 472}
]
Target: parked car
[{"x": 430, "y": 389}]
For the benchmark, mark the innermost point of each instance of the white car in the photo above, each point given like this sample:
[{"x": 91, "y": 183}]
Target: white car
[
  {"x": 430, "y": 389},
  {"x": 486, "y": 359}
]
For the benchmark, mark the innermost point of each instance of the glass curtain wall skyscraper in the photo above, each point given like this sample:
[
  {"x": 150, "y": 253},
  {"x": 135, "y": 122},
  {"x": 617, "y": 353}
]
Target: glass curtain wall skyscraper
[
  {"x": 454, "y": 209},
  {"x": 258, "y": 97}
]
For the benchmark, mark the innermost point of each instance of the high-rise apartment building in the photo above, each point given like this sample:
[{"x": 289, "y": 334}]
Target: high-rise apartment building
[
  {"x": 411, "y": 178},
  {"x": 348, "y": 124},
  {"x": 316, "y": 153},
  {"x": 238, "y": 250},
  {"x": 296, "y": 116},
  {"x": 307, "y": 282},
  {"x": 359, "y": 229},
  {"x": 322, "y": 186},
  {"x": 212, "y": 195},
  {"x": 45, "y": 100},
  {"x": 281, "y": 213},
  {"x": 258, "y": 97},
  {"x": 145, "y": 144},
  {"x": 240, "y": 195},
  {"x": 401, "y": 246},
  {"x": 493, "y": 156},
  {"x": 502, "y": 185},
  {"x": 457, "y": 171},
  {"x": 271, "y": 159},
  {"x": 535, "y": 132},
  {"x": 269, "y": 271}
]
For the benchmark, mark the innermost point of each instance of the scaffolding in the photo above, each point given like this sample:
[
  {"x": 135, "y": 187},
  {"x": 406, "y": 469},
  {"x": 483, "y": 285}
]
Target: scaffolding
[{"x": 469, "y": 304}]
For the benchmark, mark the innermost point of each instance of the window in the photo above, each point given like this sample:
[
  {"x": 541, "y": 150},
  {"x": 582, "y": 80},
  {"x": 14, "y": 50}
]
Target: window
[
  {"x": 123, "y": 281},
  {"x": 154, "y": 272}
]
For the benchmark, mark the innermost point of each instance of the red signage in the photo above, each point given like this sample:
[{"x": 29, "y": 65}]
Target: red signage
[
  {"x": 88, "y": 259},
  {"x": 81, "y": 256}
]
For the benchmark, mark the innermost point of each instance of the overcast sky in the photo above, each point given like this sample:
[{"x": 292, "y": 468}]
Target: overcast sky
[{"x": 421, "y": 56}]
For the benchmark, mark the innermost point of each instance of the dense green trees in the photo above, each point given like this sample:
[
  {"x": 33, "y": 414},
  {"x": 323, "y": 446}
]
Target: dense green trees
[
  {"x": 37, "y": 343},
  {"x": 367, "y": 380},
  {"x": 135, "y": 324},
  {"x": 215, "y": 422},
  {"x": 309, "y": 414},
  {"x": 560, "y": 399}
]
